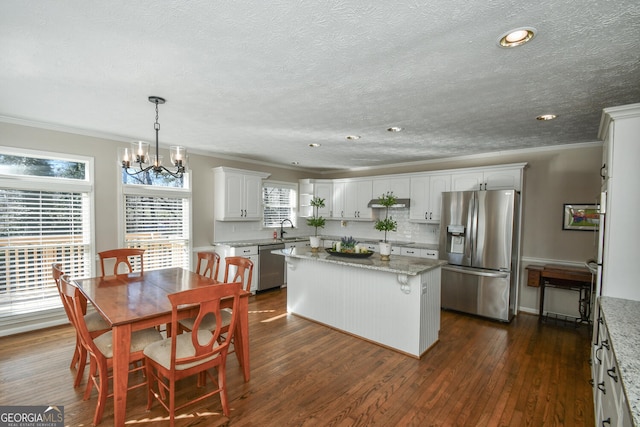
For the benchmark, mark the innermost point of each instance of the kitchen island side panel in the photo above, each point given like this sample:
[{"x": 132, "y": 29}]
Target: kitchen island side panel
[{"x": 395, "y": 310}]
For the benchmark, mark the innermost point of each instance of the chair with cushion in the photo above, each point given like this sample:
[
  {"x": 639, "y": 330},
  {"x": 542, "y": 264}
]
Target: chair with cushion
[
  {"x": 192, "y": 353},
  {"x": 94, "y": 321},
  {"x": 242, "y": 269},
  {"x": 122, "y": 257},
  {"x": 100, "y": 349},
  {"x": 208, "y": 264}
]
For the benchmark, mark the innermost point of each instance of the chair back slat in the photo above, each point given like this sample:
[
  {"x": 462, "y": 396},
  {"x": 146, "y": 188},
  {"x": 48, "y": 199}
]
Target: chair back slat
[
  {"x": 243, "y": 271},
  {"x": 211, "y": 264},
  {"x": 121, "y": 257}
]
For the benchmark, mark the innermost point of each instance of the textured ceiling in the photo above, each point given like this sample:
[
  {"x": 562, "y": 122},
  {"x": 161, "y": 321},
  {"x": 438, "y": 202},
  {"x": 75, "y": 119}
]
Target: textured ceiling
[{"x": 263, "y": 80}]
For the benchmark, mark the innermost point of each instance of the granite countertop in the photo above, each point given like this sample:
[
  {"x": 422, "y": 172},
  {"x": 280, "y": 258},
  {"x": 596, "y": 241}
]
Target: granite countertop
[
  {"x": 261, "y": 242},
  {"x": 623, "y": 322},
  {"x": 397, "y": 264},
  {"x": 254, "y": 242}
]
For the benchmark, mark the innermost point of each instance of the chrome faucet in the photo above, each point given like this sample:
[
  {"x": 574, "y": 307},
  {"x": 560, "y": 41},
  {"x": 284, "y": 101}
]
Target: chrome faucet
[{"x": 282, "y": 232}]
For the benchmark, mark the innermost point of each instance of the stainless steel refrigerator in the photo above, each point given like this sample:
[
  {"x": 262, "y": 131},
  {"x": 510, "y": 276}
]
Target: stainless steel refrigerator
[{"x": 479, "y": 238}]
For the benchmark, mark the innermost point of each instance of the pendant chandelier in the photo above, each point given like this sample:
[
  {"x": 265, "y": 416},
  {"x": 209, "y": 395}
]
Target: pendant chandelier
[{"x": 139, "y": 154}]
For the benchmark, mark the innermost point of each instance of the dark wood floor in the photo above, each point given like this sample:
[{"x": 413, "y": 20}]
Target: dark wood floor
[{"x": 480, "y": 373}]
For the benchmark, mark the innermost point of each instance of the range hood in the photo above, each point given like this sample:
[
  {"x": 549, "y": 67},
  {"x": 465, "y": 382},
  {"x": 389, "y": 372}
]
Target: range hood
[{"x": 400, "y": 203}]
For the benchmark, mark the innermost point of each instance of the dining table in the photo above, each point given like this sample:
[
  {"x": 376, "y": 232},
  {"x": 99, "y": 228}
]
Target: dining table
[{"x": 134, "y": 301}]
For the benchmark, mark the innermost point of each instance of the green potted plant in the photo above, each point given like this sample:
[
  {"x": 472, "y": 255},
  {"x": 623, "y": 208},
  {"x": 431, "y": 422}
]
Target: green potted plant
[
  {"x": 316, "y": 221},
  {"x": 386, "y": 224}
]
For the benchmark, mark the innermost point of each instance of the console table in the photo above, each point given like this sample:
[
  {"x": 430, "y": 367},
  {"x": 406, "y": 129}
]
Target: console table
[{"x": 560, "y": 276}]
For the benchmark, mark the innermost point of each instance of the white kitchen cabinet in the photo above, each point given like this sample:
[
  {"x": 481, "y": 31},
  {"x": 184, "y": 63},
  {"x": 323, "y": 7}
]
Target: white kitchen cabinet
[
  {"x": 324, "y": 190},
  {"x": 619, "y": 251},
  {"x": 488, "y": 179},
  {"x": 610, "y": 403},
  {"x": 250, "y": 252},
  {"x": 238, "y": 194},
  {"x": 399, "y": 186},
  {"x": 426, "y": 197},
  {"x": 310, "y": 188},
  {"x": 419, "y": 252},
  {"x": 350, "y": 199}
]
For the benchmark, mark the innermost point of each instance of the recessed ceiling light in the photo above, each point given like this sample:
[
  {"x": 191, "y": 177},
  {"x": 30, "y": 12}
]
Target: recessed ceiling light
[
  {"x": 353, "y": 137},
  {"x": 314, "y": 145},
  {"x": 516, "y": 37},
  {"x": 394, "y": 129},
  {"x": 546, "y": 117}
]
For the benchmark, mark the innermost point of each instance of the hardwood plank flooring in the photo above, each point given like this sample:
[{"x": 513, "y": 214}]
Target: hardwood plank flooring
[{"x": 480, "y": 373}]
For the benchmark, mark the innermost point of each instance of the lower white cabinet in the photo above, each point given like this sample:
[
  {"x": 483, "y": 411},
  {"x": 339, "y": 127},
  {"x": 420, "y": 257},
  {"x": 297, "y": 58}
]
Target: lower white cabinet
[
  {"x": 250, "y": 252},
  {"x": 610, "y": 404},
  {"x": 419, "y": 252}
]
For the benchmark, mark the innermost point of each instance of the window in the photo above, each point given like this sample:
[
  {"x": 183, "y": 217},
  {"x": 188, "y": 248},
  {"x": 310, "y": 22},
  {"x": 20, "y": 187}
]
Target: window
[
  {"x": 278, "y": 202},
  {"x": 45, "y": 217},
  {"x": 156, "y": 217}
]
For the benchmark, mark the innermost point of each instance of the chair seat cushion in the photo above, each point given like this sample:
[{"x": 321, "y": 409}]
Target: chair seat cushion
[
  {"x": 208, "y": 321},
  {"x": 95, "y": 322},
  {"x": 139, "y": 340},
  {"x": 160, "y": 351}
]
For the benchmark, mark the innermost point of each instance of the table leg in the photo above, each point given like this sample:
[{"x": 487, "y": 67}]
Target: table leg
[
  {"x": 242, "y": 336},
  {"x": 541, "y": 316},
  {"x": 121, "y": 348}
]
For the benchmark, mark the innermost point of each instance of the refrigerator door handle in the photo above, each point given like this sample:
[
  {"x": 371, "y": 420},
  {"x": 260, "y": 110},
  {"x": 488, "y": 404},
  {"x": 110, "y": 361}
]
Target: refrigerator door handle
[
  {"x": 472, "y": 226},
  {"x": 475, "y": 271}
]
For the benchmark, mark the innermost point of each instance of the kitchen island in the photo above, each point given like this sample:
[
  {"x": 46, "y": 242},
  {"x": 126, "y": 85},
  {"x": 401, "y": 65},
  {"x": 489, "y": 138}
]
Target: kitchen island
[{"x": 393, "y": 303}]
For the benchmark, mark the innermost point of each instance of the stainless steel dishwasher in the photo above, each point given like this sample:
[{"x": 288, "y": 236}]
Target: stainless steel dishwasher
[{"x": 271, "y": 267}]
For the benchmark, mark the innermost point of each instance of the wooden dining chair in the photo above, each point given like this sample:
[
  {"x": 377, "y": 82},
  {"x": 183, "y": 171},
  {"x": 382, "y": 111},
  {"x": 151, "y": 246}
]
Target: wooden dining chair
[
  {"x": 122, "y": 256},
  {"x": 94, "y": 321},
  {"x": 208, "y": 264},
  {"x": 100, "y": 349},
  {"x": 241, "y": 271},
  {"x": 193, "y": 353}
]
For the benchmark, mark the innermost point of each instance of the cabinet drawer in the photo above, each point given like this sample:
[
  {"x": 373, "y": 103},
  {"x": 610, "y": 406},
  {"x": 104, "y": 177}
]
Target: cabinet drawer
[
  {"x": 414, "y": 252},
  {"x": 429, "y": 253},
  {"x": 245, "y": 250}
]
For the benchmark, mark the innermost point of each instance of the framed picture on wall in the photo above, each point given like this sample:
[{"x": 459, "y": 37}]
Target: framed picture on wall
[{"x": 581, "y": 217}]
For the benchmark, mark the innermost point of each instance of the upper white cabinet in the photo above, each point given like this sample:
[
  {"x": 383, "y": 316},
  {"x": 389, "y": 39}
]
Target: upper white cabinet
[
  {"x": 489, "y": 179},
  {"x": 619, "y": 251},
  {"x": 426, "y": 197},
  {"x": 237, "y": 194},
  {"x": 350, "y": 199},
  {"x": 310, "y": 188},
  {"x": 399, "y": 186},
  {"x": 324, "y": 190}
]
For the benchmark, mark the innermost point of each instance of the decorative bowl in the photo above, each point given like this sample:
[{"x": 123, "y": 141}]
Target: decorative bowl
[{"x": 349, "y": 254}]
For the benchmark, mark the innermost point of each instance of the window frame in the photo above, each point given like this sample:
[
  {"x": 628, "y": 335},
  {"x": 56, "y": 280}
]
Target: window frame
[
  {"x": 53, "y": 316},
  {"x": 294, "y": 199},
  {"x": 146, "y": 190}
]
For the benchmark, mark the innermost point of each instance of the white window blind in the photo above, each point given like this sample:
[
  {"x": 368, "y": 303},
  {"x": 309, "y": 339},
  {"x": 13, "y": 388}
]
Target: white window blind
[
  {"x": 159, "y": 224},
  {"x": 42, "y": 221},
  {"x": 279, "y": 203}
]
